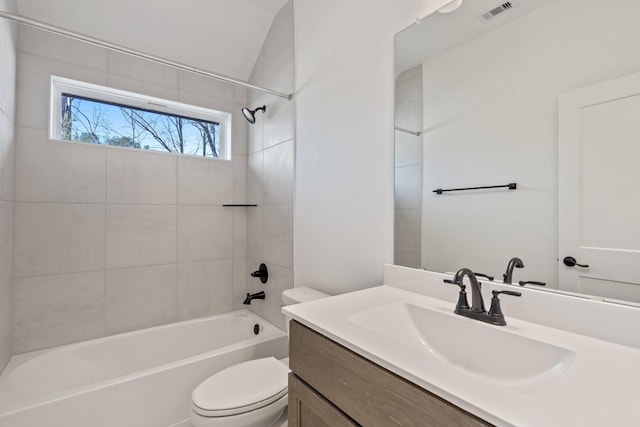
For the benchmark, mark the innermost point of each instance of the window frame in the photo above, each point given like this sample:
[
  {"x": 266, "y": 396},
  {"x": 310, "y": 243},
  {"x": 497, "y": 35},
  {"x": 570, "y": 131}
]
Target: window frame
[{"x": 99, "y": 93}]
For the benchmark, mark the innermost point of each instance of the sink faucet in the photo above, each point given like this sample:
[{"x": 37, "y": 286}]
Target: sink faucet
[
  {"x": 494, "y": 316},
  {"x": 477, "y": 304},
  {"x": 514, "y": 262}
]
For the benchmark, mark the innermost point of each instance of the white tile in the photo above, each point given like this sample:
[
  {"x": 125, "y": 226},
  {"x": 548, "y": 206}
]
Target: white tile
[
  {"x": 240, "y": 232},
  {"x": 59, "y": 309},
  {"x": 130, "y": 66},
  {"x": 240, "y": 274},
  {"x": 240, "y": 130},
  {"x": 7, "y": 158},
  {"x": 65, "y": 49},
  {"x": 408, "y": 187},
  {"x": 137, "y": 298},
  {"x": 6, "y": 242},
  {"x": 141, "y": 177},
  {"x": 57, "y": 171},
  {"x": 204, "y": 288},
  {"x": 240, "y": 94},
  {"x": 204, "y": 101},
  {"x": 278, "y": 174},
  {"x": 140, "y": 235},
  {"x": 240, "y": 179},
  {"x": 34, "y": 86},
  {"x": 408, "y": 230},
  {"x": 6, "y": 323},
  {"x": 6, "y": 280},
  {"x": 255, "y": 178},
  {"x": 278, "y": 122},
  {"x": 255, "y": 227},
  {"x": 143, "y": 87},
  {"x": 408, "y": 149},
  {"x": 58, "y": 238},
  {"x": 255, "y": 136},
  {"x": 8, "y": 71},
  {"x": 278, "y": 235},
  {"x": 206, "y": 86},
  {"x": 204, "y": 233},
  {"x": 406, "y": 259},
  {"x": 204, "y": 181}
]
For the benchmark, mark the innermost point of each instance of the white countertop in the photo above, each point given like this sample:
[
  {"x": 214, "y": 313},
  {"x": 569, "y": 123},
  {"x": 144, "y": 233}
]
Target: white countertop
[{"x": 601, "y": 387}]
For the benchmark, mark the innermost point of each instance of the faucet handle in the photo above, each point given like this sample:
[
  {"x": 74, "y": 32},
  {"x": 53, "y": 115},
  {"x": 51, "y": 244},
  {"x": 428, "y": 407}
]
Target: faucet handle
[
  {"x": 512, "y": 293},
  {"x": 463, "y": 303},
  {"x": 496, "y": 311},
  {"x": 486, "y": 276},
  {"x": 531, "y": 282}
]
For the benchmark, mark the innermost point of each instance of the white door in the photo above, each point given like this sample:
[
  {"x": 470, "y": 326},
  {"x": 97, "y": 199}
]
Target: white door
[{"x": 599, "y": 189}]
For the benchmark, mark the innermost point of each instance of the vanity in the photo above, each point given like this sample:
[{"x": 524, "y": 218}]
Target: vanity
[{"x": 396, "y": 354}]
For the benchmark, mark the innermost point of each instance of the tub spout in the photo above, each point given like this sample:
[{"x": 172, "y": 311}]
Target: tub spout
[{"x": 257, "y": 295}]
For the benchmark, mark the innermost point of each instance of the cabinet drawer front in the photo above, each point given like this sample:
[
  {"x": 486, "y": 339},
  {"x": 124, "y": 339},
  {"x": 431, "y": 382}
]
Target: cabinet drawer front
[
  {"x": 308, "y": 409},
  {"x": 368, "y": 393}
]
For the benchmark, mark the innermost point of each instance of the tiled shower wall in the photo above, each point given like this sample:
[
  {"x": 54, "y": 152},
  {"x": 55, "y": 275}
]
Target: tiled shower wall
[
  {"x": 8, "y": 41},
  {"x": 271, "y": 170},
  {"x": 408, "y": 169},
  {"x": 108, "y": 239}
]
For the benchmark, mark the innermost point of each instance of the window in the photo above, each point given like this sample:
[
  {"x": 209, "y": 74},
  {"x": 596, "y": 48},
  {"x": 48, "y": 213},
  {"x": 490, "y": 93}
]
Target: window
[{"x": 89, "y": 113}]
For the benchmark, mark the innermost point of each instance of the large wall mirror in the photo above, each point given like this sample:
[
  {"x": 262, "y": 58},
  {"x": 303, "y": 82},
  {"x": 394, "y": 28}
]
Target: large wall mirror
[{"x": 541, "y": 93}]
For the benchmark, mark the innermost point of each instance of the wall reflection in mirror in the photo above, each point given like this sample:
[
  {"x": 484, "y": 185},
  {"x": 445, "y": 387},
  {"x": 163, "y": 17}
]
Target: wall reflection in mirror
[{"x": 542, "y": 94}]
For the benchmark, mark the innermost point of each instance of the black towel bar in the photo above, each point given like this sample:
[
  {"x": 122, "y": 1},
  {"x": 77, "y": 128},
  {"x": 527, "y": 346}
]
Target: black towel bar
[{"x": 510, "y": 186}]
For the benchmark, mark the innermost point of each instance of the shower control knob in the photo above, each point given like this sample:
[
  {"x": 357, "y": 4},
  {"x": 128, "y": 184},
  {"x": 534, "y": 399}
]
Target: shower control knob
[{"x": 262, "y": 273}]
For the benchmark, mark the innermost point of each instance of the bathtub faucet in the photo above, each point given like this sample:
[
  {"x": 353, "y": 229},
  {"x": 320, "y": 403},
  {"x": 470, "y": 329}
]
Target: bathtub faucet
[{"x": 257, "y": 295}]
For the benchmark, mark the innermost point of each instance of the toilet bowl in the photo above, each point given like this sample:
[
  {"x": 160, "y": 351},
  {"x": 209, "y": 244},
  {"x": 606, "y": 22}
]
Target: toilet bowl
[{"x": 249, "y": 394}]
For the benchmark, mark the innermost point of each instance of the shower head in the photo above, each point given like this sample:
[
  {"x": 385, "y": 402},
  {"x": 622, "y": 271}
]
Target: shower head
[{"x": 250, "y": 115}]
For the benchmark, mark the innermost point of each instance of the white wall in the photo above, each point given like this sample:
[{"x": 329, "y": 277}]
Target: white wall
[
  {"x": 110, "y": 239},
  {"x": 344, "y": 135},
  {"x": 8, "y": 41},
  {"x": 491, "y": 110},
  {"x": 270, "y": 170}
]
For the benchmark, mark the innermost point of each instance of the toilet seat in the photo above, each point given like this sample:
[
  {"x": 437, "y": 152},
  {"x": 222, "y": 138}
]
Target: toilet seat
[{"x": 241, "y": 388}]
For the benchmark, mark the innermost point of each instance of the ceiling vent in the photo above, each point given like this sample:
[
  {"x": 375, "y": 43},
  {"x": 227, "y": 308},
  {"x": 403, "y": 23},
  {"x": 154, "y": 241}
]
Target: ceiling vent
[{"x": 497, "y": 10}]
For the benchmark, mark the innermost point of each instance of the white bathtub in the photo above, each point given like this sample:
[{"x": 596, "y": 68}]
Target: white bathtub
[{"x": 138, "y": 379}]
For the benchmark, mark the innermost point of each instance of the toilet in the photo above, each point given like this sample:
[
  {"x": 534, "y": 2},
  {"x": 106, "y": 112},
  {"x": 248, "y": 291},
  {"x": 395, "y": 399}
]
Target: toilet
[{"x": 249, "y": 394}]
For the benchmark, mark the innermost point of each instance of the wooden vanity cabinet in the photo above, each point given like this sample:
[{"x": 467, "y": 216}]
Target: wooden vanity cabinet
[{"x": 332, "y": 386}]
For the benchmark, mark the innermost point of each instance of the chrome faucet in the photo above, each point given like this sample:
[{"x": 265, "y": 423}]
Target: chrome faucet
[
  {"x": 477, "y": 311},
  {"x": 514, "y": 262}
]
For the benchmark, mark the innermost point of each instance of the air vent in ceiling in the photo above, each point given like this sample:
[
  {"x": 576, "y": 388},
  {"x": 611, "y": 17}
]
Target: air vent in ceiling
[{"x": 497, "y": 10}]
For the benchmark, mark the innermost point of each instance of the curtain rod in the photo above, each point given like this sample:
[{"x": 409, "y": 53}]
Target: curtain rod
[{"x": 101, "y": 43}]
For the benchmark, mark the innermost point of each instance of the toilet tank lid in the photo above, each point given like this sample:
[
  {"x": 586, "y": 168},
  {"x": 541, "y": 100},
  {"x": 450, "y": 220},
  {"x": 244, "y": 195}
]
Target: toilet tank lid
[{"x": 301, "y": 294}]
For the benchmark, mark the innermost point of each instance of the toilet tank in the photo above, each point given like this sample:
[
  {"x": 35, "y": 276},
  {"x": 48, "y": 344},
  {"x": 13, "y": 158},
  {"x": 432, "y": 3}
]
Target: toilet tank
[{"x": 298, "y": 295}]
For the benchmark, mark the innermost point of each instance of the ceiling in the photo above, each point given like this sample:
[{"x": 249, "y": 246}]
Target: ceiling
[
  {"x": 440, "y": 32},
  {"x": 222, "y": 36}
]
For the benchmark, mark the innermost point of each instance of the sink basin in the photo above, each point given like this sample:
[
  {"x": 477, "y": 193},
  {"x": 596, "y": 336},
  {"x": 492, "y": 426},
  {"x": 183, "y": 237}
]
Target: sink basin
[{"x": 482, "y": 349}]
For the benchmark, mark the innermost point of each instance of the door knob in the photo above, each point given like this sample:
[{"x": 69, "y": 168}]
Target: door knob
[{"x": 570, "y": 261}]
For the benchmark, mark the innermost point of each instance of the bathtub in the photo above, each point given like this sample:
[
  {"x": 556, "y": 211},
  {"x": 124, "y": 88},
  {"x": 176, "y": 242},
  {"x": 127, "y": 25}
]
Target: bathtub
[{"x": 138, "y": 379}]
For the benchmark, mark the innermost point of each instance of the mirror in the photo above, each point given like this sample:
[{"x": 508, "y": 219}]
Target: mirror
[{"x": 477, "y": 93}]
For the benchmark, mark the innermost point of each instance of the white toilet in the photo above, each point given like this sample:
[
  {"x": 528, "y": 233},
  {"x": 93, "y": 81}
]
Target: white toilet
[{"x": 249, "y": 394}]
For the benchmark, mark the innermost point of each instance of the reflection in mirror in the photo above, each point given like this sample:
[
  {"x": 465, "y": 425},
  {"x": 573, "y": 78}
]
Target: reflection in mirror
[{"x": 477, "y": 104}]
